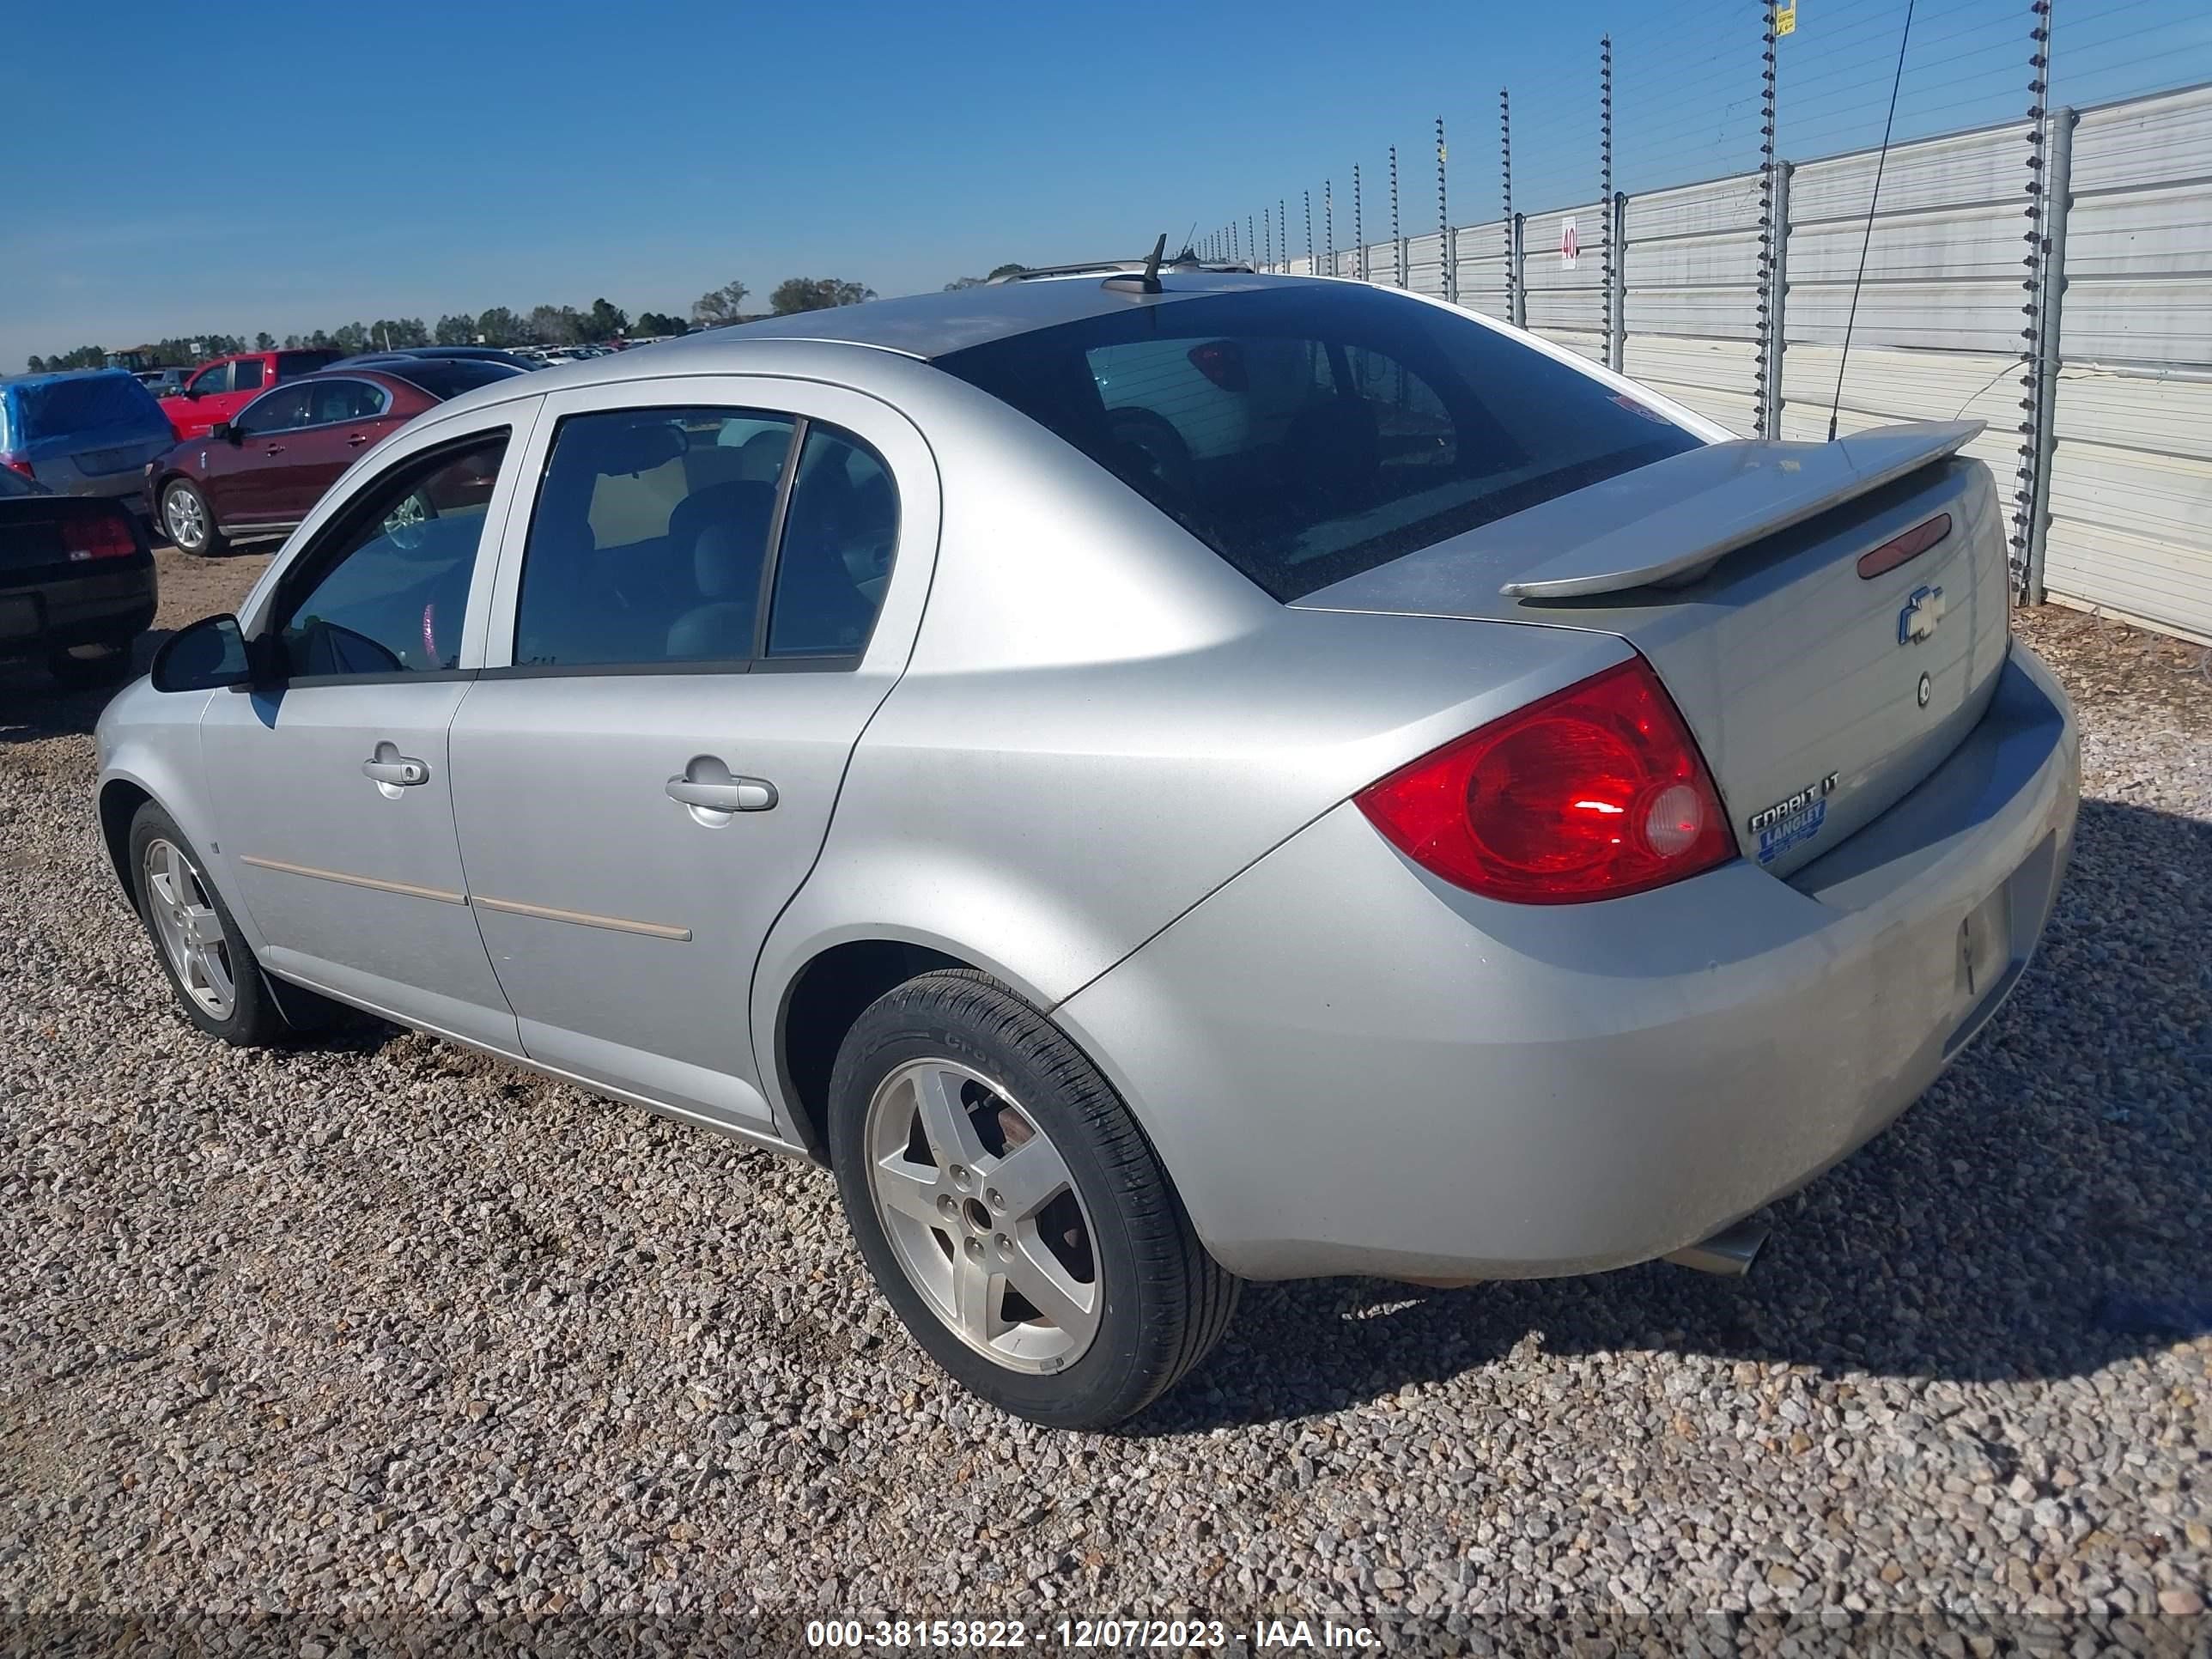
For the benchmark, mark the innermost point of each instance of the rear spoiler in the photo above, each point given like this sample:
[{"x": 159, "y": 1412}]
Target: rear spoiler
[{"x": 1671, "y": 521}]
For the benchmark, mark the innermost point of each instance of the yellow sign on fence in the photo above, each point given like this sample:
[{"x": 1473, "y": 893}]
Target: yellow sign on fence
[{"x": 1785, "y": 19}]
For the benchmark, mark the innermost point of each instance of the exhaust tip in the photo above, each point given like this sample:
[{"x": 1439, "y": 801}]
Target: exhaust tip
[{"x": 1729, "y": 1252}]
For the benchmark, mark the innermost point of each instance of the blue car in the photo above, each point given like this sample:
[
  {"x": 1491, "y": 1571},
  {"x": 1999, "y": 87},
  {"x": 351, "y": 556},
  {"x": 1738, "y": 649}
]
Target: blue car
[{"x": 89, "y": 433}]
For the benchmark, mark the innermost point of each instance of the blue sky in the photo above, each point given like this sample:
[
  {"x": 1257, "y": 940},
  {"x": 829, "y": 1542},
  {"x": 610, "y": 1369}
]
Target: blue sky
[{"x": 324, "y": 164}]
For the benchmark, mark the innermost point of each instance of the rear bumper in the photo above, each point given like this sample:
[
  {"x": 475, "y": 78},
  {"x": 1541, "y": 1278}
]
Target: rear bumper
[
  {"x": 1350, "y": 1067},
  {"x": 111, "y": 605}
]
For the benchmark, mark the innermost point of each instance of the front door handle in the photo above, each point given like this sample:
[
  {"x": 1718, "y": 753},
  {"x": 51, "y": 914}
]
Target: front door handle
[
  {"x": 737, "y": 795},
  {"x": 402, "y": 772},
  {"x": 274, "y": 449},
  {"x": 355, "y": 440}
]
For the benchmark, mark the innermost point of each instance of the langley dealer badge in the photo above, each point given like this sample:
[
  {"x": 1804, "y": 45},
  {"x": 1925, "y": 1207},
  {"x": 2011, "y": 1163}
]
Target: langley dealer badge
[{"x": 1794, "y": 820}]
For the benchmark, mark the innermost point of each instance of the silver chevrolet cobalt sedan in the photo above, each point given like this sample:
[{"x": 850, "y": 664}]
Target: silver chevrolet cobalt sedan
[{"x": 1156, "y": 778}]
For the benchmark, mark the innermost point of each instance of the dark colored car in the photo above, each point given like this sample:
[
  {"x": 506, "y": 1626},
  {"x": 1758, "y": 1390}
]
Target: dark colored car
[
  {"x": 258, "y": 475},
  {"x": 77, "y": 580},
  {"x": 434, "y": 354},
  {"x": 163, "y": 382},
  {"x": 219, "y": 390},
  {"x": 85, "y": 432}
]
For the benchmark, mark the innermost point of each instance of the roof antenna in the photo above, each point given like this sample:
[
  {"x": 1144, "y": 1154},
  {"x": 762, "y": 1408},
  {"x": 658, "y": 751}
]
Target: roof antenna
[
  {"x": 1844, "y": 357},
  {"x": 1145, "y": 282}
]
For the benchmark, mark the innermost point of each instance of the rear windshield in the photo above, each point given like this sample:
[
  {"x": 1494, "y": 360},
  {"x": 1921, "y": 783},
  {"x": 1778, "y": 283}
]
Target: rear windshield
[
  {"x": 1309, "y": 433},
  {"x": 447, "y": 377},
  {"x": 92, "y": 404},
  {"x": 289, "y": 363}
]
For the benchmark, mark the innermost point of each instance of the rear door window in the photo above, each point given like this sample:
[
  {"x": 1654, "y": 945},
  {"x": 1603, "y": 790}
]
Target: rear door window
[
  {"x": 330, "y": 401},
  {"x": 1309, "y": 433},
  {"x": 835, "y": 557},
  {"x": 245, "y": 374},
  {"x": 648, "y": 542}
]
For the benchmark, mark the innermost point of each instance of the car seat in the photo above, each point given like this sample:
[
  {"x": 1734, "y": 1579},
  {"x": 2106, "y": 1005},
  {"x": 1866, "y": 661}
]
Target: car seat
[{"x": 726, "y": 528}]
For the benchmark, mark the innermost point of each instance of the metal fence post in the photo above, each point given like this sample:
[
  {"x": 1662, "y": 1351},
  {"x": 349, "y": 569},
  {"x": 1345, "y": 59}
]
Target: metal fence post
[
  {"x": 1397, "y": 241},
  {"x": 1516, "y": 234},
  {"x": 2025, "y": 570},
  {"x": 1617, "y": 333},
  {"x": 1359, "y": 231},
  {"x": 1444, "y": 223},
  {"x": 2058, "y": 197},
  {"x": 1329, "y": 224},
  {"x": 1768, "y": 368},
  {"x": 1312, "y": 269},
  {"x": 1778, "y": 303},
  {"x": 1511, "y": 219},
  {"x": 1605, "y": 192}
]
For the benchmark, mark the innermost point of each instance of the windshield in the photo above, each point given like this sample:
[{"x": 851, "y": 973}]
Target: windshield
[
  {"x": 1307, "y": 433},
  {"x": 448, "y": 377}
]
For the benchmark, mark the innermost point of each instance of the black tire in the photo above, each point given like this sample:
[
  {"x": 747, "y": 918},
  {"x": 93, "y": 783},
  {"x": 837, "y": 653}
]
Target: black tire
[
  {"x": 254, "y": 1020},
  {"x": 1164, "y": 1302},
  {"x": 73, "y": 673},
  {"x": 1157, "y": 449},
  {"x": 210, "y": 541}
]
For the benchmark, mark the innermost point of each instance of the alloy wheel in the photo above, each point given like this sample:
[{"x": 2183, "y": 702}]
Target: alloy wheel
[
  {"x": 984, "y": 1216},
  {"x": 190, "y": 932},
  {"x": 186, "y": 516}
]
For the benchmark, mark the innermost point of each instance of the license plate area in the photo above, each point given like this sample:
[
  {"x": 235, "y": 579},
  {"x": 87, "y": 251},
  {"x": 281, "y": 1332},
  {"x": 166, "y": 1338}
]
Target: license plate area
[
  {"x": 1985, "y": 944},
  {"x": 19, "y": 617},
  {"x": 1994, "y": 938}
]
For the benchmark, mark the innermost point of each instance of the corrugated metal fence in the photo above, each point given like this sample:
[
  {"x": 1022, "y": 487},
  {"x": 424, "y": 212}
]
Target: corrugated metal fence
[{"x": 2119, "y": 448}]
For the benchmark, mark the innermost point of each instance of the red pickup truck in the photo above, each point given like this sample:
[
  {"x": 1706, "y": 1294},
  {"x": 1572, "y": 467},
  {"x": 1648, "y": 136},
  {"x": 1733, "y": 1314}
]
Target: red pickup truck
[{"x": 219, "y": 390}]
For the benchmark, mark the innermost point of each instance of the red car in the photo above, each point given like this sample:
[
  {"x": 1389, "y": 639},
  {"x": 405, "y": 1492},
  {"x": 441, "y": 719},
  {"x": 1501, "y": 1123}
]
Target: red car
[
  {"x": 219, "y": 390},
  {"x": 260, "y": 474}
]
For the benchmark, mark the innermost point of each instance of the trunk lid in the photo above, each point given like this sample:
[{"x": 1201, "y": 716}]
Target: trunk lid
[{"x": 1819, "y": 696}]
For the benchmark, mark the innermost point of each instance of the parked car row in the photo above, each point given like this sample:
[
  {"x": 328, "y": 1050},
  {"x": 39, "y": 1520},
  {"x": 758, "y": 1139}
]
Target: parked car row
[
  {"x": 77, "y": 580},
  {"x": 257, "y": 474}
]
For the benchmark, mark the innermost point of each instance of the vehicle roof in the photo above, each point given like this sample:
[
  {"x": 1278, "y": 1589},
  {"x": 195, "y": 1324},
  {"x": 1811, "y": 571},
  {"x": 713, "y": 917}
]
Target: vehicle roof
[
  {"x": 927, "y": 325},
  {"x": 52, "y": 376},
  {"x": 387, "y": 375},
  {"x": 922, "y": 327}
]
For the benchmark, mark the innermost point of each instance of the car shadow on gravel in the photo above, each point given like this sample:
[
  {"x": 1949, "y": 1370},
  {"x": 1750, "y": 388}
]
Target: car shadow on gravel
[
  {"x": 34, "y": 707},
  {"x": 2045, "y": 1211}
]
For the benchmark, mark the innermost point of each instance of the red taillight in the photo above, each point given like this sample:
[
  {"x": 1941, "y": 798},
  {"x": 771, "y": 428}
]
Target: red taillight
[
  {"x": 1222, "y": 361},
  {"x": 103, "y": 537},
  {"x": 17, "y": 464},
  {"x": 1591, "y": 793},
  {"x": 1911, "y": 545}
]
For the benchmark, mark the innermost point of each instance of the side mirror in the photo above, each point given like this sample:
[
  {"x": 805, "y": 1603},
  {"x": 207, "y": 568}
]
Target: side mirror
[
  {"x": 208, "y": 654},
  {"x": 226, "y": 432},
  {"x": 189, "y": 390}
]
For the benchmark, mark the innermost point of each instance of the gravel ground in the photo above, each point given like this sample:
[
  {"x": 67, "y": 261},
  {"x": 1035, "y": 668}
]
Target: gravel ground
[{"x": 381, "y": 1329}]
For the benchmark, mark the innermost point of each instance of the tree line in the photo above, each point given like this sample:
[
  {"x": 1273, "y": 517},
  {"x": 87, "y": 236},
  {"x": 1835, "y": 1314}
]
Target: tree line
[{"x": 541, "y": 325}]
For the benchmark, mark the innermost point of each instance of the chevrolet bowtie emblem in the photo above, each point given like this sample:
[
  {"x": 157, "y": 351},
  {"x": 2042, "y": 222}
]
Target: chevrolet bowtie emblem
[{"x": 1921, "y": 613}]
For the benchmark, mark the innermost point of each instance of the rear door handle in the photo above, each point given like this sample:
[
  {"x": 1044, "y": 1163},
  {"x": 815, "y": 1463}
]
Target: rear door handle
[
  {"x": 403, "y": 771},
  {"x": 355, "y": 440},
  {"x": 274, "y": 449},
  {"x": 737, "y": 795}
]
